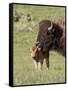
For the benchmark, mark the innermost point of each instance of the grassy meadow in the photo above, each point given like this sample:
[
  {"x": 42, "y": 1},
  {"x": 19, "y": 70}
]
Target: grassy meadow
[{"x": 24, "y": 72}]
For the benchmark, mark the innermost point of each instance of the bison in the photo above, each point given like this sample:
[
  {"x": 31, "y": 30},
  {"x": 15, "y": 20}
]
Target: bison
[
  {"x": 51, "y": 36},
  {"x": 38, "y": 56}
]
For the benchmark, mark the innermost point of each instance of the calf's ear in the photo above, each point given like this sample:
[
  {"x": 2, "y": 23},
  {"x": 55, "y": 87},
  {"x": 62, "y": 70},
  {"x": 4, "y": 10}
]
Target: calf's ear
[{"x": 36, "y": 43}]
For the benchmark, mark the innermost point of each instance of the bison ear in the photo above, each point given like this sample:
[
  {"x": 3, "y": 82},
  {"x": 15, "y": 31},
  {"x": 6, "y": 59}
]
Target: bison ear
[{"x": 37, "y": 43}]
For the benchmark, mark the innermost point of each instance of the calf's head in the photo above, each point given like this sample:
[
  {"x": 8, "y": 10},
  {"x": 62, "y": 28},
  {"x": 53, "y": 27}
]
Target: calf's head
[{"x": 35, "y": 50}]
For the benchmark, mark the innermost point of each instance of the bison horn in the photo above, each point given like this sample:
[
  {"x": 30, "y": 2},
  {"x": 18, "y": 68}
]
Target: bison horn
[{"x": 50, "y": 27}]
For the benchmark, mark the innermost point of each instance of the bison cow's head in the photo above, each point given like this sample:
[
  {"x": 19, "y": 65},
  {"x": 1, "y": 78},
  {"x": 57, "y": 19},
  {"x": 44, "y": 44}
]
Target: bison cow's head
[{"x": 46, "y": 35}]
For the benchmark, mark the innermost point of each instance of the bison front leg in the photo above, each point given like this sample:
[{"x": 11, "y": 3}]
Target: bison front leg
[{"x": 47, "y": 59}]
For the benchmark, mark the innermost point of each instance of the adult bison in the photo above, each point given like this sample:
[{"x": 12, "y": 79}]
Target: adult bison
[{"x": 51, "y": 36}]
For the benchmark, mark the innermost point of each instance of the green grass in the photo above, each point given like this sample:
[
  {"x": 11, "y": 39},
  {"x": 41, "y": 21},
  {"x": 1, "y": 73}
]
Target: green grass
[{"x": 23, "y": 66}]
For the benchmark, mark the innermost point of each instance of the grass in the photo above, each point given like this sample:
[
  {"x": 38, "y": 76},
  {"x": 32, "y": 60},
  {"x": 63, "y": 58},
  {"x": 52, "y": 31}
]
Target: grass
[{"x": 24, "y": 71}]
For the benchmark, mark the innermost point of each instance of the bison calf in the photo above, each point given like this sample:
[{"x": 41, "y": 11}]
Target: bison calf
[{"x": 38, "y": 56}]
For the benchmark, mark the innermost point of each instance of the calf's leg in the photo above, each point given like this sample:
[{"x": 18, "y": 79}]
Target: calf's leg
[
  {"x": 36, "y": 64},
  {"x": 40, "y": 65}
]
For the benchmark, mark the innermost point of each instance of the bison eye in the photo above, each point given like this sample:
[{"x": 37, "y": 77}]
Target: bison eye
[{"x": 48, "y": 33}]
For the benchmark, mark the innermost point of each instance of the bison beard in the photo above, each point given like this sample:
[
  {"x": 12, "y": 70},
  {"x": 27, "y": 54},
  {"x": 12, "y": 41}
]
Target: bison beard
[{"x": 50, "y": 37}]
